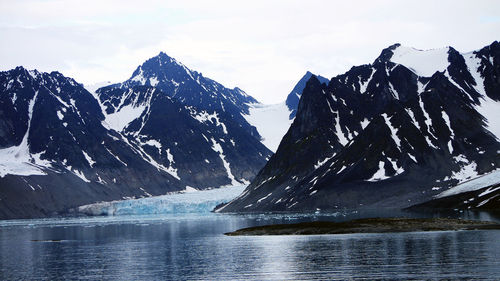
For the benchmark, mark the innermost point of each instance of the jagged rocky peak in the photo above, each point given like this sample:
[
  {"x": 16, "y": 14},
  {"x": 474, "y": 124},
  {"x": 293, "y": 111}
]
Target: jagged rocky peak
[
  {"x": 161, "y": 68},
  {"x": 188, "y": 86},
  {"x": 388, "y": 134},
  {"x": 165, "y": 129},
  {"x": 25, "y": 91},
  {"x": 292, "y": 100}
]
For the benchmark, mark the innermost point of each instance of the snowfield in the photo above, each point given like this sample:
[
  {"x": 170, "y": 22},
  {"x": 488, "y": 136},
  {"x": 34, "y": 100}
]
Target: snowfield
[
  {"x": 272, "y": 122},
  {"x": 423, "y": 63}
]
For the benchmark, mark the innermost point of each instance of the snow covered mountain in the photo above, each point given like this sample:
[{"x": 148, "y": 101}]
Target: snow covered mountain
[
  {"x": 186, "y": 86},
  {"x": 166, "y": 129},
  {"x": 56, "y": 152},
  {"x": 388, "y": 134},
  {"x": 187, "y": 124}
]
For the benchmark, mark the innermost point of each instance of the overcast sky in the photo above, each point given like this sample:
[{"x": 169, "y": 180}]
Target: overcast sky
[{"x": 263, "y": 47}]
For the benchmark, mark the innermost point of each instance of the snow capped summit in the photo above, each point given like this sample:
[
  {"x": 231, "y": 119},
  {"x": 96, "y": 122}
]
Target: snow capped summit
[
  {"x": 422, "y": 63},
  {"x": 160, "y": 68},
  {"x": 188, "y": 86}
]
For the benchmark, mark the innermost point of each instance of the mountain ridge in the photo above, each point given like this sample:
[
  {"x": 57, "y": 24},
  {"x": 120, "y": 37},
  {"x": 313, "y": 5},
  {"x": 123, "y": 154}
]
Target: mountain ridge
[
  {"x": 412, "y": 126},
  {"x": 63, "y": 146}
]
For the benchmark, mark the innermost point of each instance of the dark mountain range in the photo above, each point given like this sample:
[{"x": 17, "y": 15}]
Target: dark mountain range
[
  {"x": 60, "y": 147},
  {"x": 388, "y": 134}
]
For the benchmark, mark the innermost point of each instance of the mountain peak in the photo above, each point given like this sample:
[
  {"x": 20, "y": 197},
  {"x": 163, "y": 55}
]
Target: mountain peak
[
  {"x": 20, "y": 68},
  {"x": 292, "y": 101},
  {"x": 391, "y": 52},
  {"x": 163, "y": 58},
  {"x": 387, "y": 53},
  {"x": 422, "y": 62},
  {"x": 389, "y": 135},
  {"x": 160, "y": 68}
]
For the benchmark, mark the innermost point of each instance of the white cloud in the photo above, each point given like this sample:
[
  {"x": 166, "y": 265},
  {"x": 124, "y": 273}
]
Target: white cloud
[{"x": 263, "y": 47}]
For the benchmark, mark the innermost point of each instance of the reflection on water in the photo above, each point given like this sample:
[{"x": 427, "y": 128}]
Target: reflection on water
[{"x": 193, "y": 247}]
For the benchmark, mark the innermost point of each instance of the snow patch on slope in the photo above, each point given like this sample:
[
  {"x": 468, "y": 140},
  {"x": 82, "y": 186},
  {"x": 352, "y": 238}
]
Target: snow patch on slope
[
  {"x": 217, "y": 148},
  {"x": 468, "y": 170},
  {"x": 17, "y": 160},
  {"x": 380, "y": 173},
  {"x": 89, "y": 159},
  {"x": 394, "y": 131},
  {"x": 474, "y": 184},
  {"x": 489, "y": 108},
  {"x": 204, "y": 116},
  {"x": 119, "y": 120}
]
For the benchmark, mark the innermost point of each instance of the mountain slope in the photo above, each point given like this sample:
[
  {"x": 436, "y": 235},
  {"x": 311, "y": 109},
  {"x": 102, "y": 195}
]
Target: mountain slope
[
  {"x": 388, "y": 134},
  {"x": 186, "y": 86},
  {"x": 480, "y": 193},
  {"x": 56, "y": 152},
  {"x": 186, "y": 123}
]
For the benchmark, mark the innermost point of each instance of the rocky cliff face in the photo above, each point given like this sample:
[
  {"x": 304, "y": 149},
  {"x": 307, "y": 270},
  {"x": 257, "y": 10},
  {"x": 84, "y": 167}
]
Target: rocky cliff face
[
  {"x": 388, "y": 134},
  {"x": 292, "y": 100}
]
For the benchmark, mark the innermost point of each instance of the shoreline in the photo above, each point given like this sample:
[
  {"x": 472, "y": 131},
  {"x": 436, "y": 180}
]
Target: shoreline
[{"x": 368, "y": 225}]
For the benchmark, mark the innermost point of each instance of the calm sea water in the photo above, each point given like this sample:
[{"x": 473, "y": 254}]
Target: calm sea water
[{"x": 193, "y": 247}]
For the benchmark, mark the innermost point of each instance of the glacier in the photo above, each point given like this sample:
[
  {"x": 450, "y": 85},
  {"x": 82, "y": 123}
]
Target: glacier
[
  {"x": 200, "y": 201},
  {"x": 271, "y": 121}
]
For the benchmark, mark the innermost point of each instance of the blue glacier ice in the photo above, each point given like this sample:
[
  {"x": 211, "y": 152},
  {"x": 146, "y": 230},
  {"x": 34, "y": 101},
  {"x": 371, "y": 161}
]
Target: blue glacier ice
[{"x": 179, "y": 203}]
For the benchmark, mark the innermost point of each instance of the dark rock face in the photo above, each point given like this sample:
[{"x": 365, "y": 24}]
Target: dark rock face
[
  {"x": 292, "y": 100},
  {"x": 164, "y": 129},
  {"x": 389, "y": 134}
]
